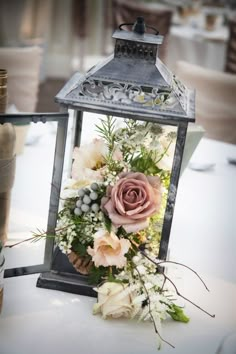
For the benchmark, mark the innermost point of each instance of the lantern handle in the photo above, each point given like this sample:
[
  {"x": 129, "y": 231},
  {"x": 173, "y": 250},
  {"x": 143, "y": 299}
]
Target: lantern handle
[{"x": 139, "y": 26}]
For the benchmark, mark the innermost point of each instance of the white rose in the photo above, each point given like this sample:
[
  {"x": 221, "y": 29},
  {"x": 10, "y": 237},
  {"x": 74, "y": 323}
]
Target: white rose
[{"x": 111, "y": 303}]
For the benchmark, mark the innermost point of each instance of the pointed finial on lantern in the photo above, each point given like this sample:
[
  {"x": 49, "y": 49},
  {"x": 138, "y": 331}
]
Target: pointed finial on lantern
[{"x": 139, "y": 25}]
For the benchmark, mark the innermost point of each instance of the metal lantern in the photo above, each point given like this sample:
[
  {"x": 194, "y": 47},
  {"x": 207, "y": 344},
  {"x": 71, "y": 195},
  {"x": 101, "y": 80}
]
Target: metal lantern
[{"x": 128, "y": 84}]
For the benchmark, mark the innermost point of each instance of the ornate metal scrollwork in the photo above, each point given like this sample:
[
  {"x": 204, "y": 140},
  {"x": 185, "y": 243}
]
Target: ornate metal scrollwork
[{"x": 128, "y": 94}]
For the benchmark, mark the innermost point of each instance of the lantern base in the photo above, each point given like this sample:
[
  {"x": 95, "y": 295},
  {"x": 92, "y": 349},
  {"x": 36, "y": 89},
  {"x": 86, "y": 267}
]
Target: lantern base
[
  {"x": 63, "y": 277},
  {"x": 70, "y": 283}
]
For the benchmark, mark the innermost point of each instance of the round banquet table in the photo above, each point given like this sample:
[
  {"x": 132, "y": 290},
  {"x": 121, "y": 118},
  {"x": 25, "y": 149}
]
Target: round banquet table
[{"x": 203, "y": 234}]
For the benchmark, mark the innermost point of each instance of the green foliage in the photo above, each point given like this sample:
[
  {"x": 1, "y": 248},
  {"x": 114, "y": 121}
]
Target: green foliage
[
  {"x": 79, "y": 248},
  {"x": 165, "y": 178},
  {"x": 145, "y": 163},
  {"x": 69, "y": 204},
  {"x": 106, "y": 130},
  {"x": 112, "y": 279},
  {"x": 122, "y": 233},
  {"x": 97, "y": 274},
  {"x": 107, "y": 223},
  {"x": 177, "y": 314}
]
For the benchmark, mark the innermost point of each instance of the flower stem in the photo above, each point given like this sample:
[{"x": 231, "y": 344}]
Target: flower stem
[{"x": 38, "y": 236}]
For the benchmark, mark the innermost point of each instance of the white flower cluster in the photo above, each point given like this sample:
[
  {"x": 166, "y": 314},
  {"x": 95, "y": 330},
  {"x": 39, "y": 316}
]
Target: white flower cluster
[
  {"x": 68, "y": 230},
  {"x": 145, "y": 284},
  {"x": 149, "y": 136},
  {"x": 66, "y": 234},
  {"x": 110, "y": 178}
]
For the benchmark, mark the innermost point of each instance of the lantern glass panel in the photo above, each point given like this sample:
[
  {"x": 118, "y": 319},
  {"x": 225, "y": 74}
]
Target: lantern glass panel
[
  {"x": 30, "y": 196},
  {"x": 145, "y": 147}
]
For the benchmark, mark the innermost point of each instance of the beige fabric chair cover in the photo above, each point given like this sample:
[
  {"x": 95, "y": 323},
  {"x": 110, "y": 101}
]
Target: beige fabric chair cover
[
  {"x": 230, "y": 65},
  {"x": 215, "y": 100},
  {"x": 23, "y": 66}
]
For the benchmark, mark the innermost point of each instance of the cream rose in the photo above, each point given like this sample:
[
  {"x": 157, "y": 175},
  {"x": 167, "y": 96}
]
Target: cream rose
[
  {"x": 110, "y": 303},
  {"x": 88, "y": 160},
  {"x": 108, "y": 249},
  {"x": 133, "y": 199}
]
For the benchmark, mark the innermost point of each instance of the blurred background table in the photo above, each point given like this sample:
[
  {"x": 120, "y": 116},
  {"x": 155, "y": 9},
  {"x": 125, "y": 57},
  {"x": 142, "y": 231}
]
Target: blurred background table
[{"x": 197, "y": 46}]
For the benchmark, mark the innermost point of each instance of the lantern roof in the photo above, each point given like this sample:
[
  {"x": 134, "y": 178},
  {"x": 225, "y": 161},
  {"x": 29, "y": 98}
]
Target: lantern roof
[{"x": 132, "y": 83}]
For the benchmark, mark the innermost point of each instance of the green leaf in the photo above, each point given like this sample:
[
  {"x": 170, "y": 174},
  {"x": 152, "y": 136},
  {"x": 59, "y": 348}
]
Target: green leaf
[
  {"x": 97, "y": 274},
  {"x": 106, "y": 130},
  {"x": 112, "y": 279},
  {"x": 108, "y": 223},
  {"x": 178, "y": 314},
  {"x": 80, "y": 249},
  {"x": 145, "y": 163}
]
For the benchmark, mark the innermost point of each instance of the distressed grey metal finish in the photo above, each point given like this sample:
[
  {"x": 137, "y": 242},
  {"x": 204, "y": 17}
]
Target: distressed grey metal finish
[
  {"x": 55, "y": 187},
  {"x": 174, "y": 179},
  {"x": 78, "y": 121},
  {"x": 62, "y": 119},
  {"x": 25, "y": 270},
  {"x": 63, "y": 276},
  {"x": 25, "y": 118},
  {"x": 133, "y": 83},
  {"x": 68, "y": 282}
]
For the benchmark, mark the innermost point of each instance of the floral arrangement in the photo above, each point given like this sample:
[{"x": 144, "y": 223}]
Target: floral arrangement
[{"x": 111, "y": 216}]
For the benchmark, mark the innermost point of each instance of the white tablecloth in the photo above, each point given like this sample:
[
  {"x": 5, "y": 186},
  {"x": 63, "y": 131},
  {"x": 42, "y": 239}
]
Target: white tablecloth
[
  {"x": 197, "y": 46},
  {"x": 203, "y": 236}
]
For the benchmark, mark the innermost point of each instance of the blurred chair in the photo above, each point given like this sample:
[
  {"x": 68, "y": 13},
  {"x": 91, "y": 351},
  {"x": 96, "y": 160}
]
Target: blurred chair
[
  {"x": 156, "y": 16},
  {"x": 230, "y": 65},
  {"x": 215, "y": 100},
  {"x": 23, "y": 67},
  {"x": 80, "y": 12}
]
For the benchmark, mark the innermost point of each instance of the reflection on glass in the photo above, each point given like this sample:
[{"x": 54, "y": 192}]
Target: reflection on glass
[{"x": 30, "y": 195}]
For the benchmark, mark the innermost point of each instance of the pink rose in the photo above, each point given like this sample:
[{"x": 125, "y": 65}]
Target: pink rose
[
  {"x": 108, "y": 249},
  {"x": 133, "y": 199}
]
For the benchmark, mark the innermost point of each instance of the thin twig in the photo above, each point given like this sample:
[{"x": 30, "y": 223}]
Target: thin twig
[
  {"x": 177, "y": 291},
  {"x": 43, "y": 234},
  {"x": 19, "y": 242},
  {"x": 162, "y": 288},
  {"x": 183, "y": 265}
]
